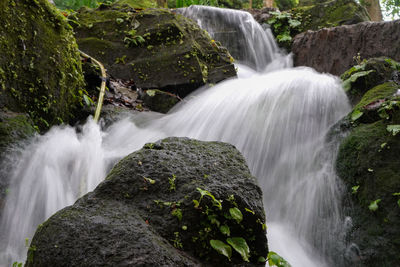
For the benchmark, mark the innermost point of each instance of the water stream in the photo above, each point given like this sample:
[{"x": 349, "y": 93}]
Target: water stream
[{"x": 278, "y": 118}]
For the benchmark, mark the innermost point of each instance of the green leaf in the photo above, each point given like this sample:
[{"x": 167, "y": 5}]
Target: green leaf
[
  {"x": 225, "y": 230},
  {"x": 275, "y": 260},
  {"x": 354, "y": 189},
  {"x": 240, "y": 245},
  {"x": 151, "y": 181},
  {"x": 284, "y": 37},
  {"x": 177, "y": 213},
  {"x": 356, "y": 114},
  {"x": 221, "y": 248},
  {"x": 347, "y": 83},
  {"x": 370, "y": 170},
  {"x": 394, "y": 129},
  {"x": 261, "y": 259},
  {"x": 236, "y": 214},
  {"x": 151, "y": 92},
  {"x": 374, "y": 205},
  {"x": 396, "y": 194},
  {"x": 119, "y": 20},
  {"x": 294, "y": 23},
  {"x": 88, "y": 100}
]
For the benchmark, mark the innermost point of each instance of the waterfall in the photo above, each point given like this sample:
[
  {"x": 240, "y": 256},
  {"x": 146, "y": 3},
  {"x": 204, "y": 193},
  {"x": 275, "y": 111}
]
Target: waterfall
[
  {"x": 247, "y": 41},
  {"x": 278, "y": 119}
]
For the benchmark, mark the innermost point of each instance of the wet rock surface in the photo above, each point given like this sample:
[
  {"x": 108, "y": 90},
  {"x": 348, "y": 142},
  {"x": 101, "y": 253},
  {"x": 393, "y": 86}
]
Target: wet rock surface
[
  {"x": 332, "y": 50},
  {"x": 160, "y": 206}
]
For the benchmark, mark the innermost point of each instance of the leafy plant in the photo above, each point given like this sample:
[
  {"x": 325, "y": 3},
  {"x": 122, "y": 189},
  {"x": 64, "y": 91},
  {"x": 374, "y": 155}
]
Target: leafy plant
[
  {"x": 354, "y": 189},
  {"x": 221, "y": 248},
  {"x": 172, "y": 186},
  {"x": 236, "y": 214},
  {"x": 240, "y": 245},
  {"x": 284, "y": 25},
  {"x": 394, "y": 129},
  {"x": 374, "y": 205},
  {"x": 275, "y": 260}
]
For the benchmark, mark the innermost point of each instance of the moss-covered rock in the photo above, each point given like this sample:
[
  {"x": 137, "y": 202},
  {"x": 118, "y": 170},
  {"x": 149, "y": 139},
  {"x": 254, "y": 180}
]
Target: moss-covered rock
[
  {"x": 40, "y": 70},
  {"x": 366, "y": 75},
  {"x": 331, "y": 14},
  {"x": 153, "y": 47},
  {"x": 161, "y": 206},
  {"x": 368, "y": 164}
]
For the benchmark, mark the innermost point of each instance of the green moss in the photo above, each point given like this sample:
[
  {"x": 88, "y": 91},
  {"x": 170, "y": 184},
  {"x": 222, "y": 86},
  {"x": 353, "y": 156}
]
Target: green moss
[
  {"x": 139, "y": 3},
  {"x": 384, "y": 91},
  {"x": 368, "y": 158},
  {"x": 330, "y": 14},
  {"x": 41, "y": 71}
]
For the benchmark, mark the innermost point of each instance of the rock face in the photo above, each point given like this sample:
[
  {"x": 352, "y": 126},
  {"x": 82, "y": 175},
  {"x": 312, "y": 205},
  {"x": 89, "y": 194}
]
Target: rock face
[
  {"x": 154, "y": 47},
  {"x": 368, "y": 164},
  {"x": 40, "y": 69},
  {"x": 160, "y": 206},
  {"x": 332, "y": 50},
  {"x": 330, "y": 14}
]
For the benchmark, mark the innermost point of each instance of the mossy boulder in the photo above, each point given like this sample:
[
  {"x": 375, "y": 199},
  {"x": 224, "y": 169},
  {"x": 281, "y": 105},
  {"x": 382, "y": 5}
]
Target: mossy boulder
[
  {"x": 368, "y": 74},
  {"x": 40, "y": 69},
  {"x": 331, "y": 14},
  {"x": 161, "y": 206},
  {"x": 368, "y": 164},
  {"x": 155, "y": 48}
]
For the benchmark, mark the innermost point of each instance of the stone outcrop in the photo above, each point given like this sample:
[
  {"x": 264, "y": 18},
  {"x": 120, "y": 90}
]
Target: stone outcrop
[
  {"x": 368, "y": 164},
  {"x": 155, "y": 48},
  {"x": 332, "y": 50},
  {"x": 160, "y": 206},
  {"x": 40, "y": 68}
]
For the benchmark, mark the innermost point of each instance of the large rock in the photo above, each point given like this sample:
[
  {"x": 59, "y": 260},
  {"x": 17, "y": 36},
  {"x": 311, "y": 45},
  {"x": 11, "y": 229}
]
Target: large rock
[
  {"x": 330, "y": 14},
  {"x": 159, "y": 206},
  {"x": 154, "y": 47},
  {"x": 40, "y": 69},
  {"x": 368, "y": 164},
  {"x": 332, "y": 50}
]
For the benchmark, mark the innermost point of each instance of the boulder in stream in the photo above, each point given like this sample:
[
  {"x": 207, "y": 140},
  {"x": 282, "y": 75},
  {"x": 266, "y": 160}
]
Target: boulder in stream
[
  {"x": 368, "y": 163},
  {"x": 155, "y": 48},
  {"x": 175, "y": 202}
]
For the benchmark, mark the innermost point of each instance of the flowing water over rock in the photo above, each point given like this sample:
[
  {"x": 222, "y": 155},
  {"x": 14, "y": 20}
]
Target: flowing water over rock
[
  {"x": 278, "y": 120},
  {"x": 245, "y": 38}
]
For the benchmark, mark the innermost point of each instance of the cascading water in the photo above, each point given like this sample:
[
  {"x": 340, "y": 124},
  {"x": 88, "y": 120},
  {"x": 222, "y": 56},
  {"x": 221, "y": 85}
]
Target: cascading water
[
  {"x": 245, "y": 39},
  {"x": 278, "y": 120}
]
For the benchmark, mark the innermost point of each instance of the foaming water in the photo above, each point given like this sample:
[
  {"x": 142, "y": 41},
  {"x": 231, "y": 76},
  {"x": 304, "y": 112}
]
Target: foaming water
[
  {"x": 245, "y": 38},
  {"x": 277, "y": 120}
]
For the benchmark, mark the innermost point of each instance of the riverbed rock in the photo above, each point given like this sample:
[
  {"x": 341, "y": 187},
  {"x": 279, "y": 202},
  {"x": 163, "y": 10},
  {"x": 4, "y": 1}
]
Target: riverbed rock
[
  {"x": 368, "y": 164},
  {"x": 155, "y": 48},
  {"x": 160, "y": 206},
  {"x": 330, "y": 14},
  {"x": 333, "y": 50},
  {"x": 40, "y": 69}
]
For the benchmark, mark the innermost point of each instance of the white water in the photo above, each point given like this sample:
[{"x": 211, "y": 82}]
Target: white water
[{"x": 278, "y": 120}]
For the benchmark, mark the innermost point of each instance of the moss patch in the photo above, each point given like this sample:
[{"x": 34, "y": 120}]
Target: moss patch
[
  {"x": 159, "y": 49},
  {"x": 40, "y": 70},
  {"x": 331, "y": 14}
]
